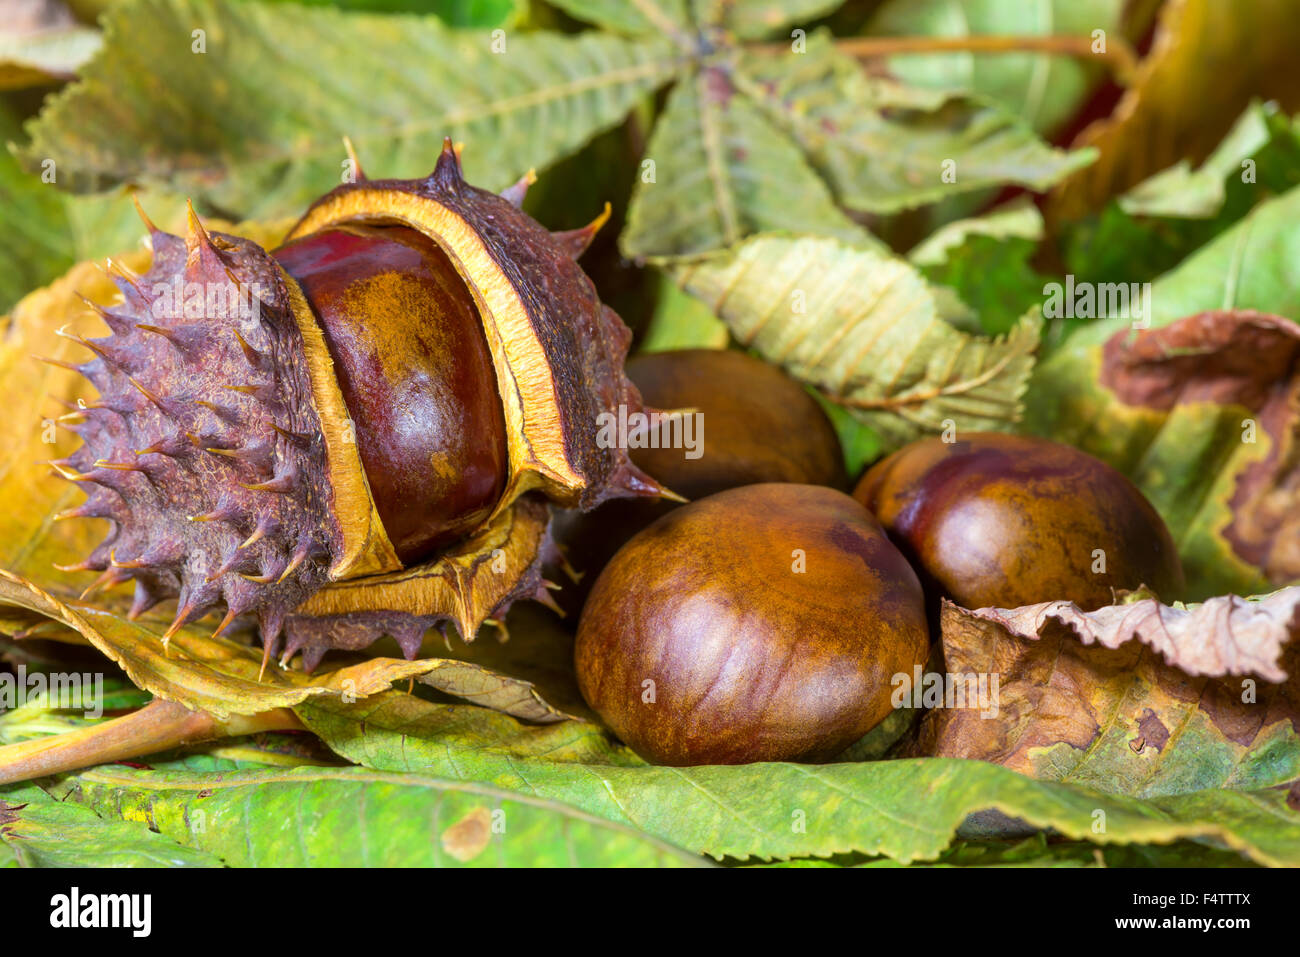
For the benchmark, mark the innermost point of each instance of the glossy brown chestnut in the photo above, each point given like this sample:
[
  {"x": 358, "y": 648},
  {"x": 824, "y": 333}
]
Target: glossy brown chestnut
[
  {"x": 1006, "y": 520},
  {"x": 414, "y": 368},
  {"x": 759, "y": 425},
  {"x": 764, "y": 623}
]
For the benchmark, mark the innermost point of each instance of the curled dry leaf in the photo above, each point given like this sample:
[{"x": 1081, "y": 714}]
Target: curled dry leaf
[
  {"x": 1137, "y": 697},
  {"x": 1226, "y": 635}
]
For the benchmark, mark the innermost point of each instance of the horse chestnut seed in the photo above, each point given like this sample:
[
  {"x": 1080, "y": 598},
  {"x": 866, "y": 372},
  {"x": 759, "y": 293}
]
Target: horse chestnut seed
[
  {"x": 764, "y": 623},
  {"x": 755, "y": 424},
  {"x": 758, "y": 424},
  {"x": 416, "y": 374},
  {"x": 1009, "y": 520}
]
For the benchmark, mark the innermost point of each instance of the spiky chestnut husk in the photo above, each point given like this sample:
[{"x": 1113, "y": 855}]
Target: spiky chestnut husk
[{"x": 224, "y": 452}]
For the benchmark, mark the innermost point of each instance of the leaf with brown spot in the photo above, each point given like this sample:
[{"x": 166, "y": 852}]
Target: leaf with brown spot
[
  {"x": 470, "y": 836},
  {"x": 1134, "y": 698}
]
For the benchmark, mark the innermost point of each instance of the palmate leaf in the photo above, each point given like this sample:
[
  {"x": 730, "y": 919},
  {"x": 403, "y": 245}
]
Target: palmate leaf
[
  {"x": 867, "y": 331},
  {"x": 38, "y": 831},
  {"x": 253, "y": 125},
  {"x": 1199, "y": 416},
  {"x": 907, "y": 810},
  {"x": 354, "y": 817},
  {"x": 1043, "y": 89},
  {"x": 723, "y": 172}
]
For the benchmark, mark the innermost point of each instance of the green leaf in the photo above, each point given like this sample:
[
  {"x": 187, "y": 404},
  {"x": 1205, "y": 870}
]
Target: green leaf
[
  {"x": 722, "y": 172},
  {"x": 860, "y": 442},
  {"x": 906, "y": 810},
  {"x": 54, "y": 230},
  {"x": 1189, "y": 89},
  {"x": 867, "y": 331},
  {"x": 1043, "y": 88},
  {"x": 1163, "y": 220},
  {"x": 253, "y": 125},
  {"x": 883, "y": 148},
  {"x": 39, "y": 831},
  {"x": 1181, "y": 191},
  {"x": 985, "y": 260},
  {"x": 353, "y": 817}
]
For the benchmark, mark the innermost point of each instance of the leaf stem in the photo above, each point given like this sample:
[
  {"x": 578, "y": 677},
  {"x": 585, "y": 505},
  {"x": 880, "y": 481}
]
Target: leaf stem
[
  {"x": 159, "y": 726},
  {"x": 1118, "y": 55}
]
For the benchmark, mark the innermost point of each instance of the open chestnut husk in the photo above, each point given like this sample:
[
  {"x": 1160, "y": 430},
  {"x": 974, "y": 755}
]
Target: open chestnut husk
[{"x": 358, "y": 433}]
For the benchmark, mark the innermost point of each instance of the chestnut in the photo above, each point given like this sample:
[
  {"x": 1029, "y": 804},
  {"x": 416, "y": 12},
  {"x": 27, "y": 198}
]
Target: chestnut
[
  {"x": 416, "y": 374},
  {"x": 763, "y": 623},
  {"x": 759, "y": 425},
  {"x": 1008, "y": 520}
]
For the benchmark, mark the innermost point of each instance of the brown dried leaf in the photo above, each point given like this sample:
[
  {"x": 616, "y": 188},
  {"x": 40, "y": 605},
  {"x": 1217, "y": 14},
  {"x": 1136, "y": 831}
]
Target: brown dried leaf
[{"x": 1078, "y": 699}]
